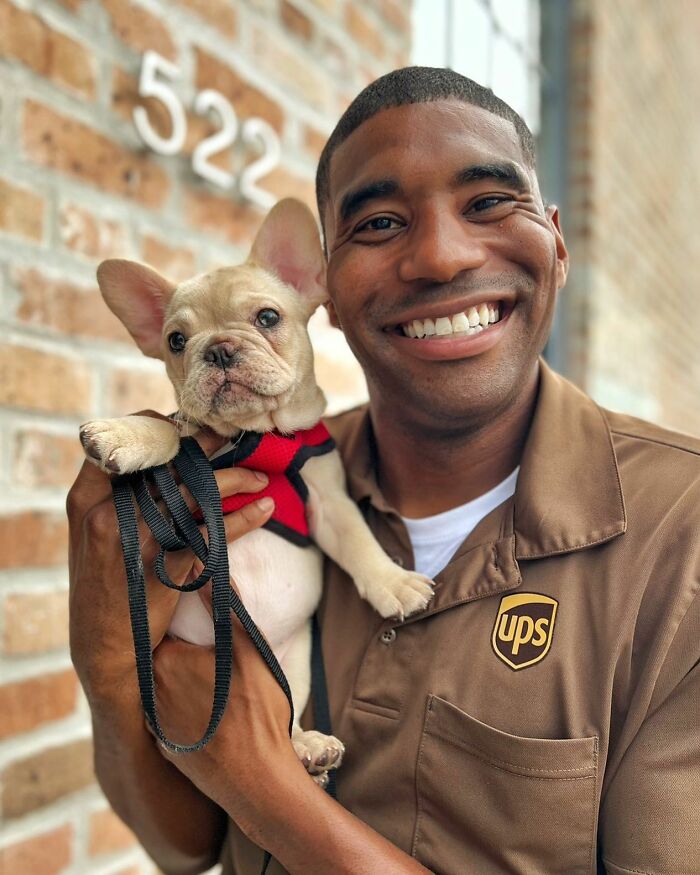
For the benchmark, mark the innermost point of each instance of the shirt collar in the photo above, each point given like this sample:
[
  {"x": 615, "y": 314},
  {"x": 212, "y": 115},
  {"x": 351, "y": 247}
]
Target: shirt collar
[{"x": 568, "y": 495}]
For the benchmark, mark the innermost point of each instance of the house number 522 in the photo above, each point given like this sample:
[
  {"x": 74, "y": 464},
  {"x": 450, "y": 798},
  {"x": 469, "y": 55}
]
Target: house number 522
[{"x": 254, "y": 132}]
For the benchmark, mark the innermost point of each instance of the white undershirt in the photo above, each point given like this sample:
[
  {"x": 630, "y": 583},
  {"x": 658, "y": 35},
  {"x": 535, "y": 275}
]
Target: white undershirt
[{"x": 435, "y": 538}]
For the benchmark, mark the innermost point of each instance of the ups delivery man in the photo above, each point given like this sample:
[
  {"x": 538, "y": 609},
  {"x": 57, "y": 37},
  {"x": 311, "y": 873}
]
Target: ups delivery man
[{"x": 541, "y": 715}]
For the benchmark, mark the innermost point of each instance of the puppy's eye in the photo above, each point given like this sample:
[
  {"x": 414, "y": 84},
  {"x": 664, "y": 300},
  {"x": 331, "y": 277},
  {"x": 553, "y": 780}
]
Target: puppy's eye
[
  {"x": 267, "y": 318},
  {"x": 177, "y": 341}
]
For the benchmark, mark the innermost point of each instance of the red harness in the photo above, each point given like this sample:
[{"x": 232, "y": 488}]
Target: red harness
[{"x": 281, "y": 457}]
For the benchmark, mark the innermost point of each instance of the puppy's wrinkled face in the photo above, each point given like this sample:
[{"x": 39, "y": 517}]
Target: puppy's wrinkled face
[{"x": 235, "y": 345}]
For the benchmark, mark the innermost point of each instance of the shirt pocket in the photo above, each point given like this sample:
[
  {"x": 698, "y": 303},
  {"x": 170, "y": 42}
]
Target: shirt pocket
[{"x": 492, "y": 803}]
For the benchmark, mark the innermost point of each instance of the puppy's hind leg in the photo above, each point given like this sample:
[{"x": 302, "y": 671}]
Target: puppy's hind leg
[{"x": 317, "y": 752}]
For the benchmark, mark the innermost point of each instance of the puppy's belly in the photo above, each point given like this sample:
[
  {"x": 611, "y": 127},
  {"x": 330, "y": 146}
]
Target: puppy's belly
[{"x": 279, "y": 584}]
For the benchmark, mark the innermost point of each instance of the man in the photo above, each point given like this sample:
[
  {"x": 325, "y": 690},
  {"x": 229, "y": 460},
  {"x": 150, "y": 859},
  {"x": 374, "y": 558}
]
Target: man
[{"x": 541, "y": 715}]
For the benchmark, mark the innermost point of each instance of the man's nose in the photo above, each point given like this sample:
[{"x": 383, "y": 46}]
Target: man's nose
[
  {"x": 439, "y": 247},
  {"x": 222, "y": 355}
]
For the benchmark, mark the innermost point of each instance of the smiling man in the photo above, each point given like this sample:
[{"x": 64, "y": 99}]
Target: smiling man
[{"x": 540, "y": 716}]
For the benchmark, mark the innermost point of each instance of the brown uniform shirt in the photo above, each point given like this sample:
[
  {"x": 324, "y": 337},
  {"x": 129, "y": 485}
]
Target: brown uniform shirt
[{"x": 543, "y": 714}]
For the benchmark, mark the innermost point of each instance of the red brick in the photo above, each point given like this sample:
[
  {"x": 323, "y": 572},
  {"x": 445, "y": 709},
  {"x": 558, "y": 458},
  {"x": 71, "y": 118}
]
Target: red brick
[
  {"x": 35, "y": 622},
  {"x": 219, "y": 14},
  {"x": 64, "y": 144},
  {"x": 33, "y": 539},
  {"x": 37, "y": 380},
  {"x": 47, "y": 853},
  {"x": 24, "y": 37},
  {"x": 139, "y": 29},
  {"x": 66, "y": 308},
  {"x": 292, "y": 68},
  {"x": 364, "y": 31},
  {"x": 108, "y": 834},
  {"x": 246, "y": 99},
  {"x": 46, "y": 776},
  {"x": 176, "y": 263},
  {"x": 21, "y": 211},
  {"x": 295, "y": 21},
  {"x": 222, "y": 216},
  {"x": 90, "y": 235},
  {"x": 314, "y": 141},
  {"x": 132, "y": 390},
  {"x": 28, "y": 704},
  {"x": 282, "y": 183},
  {"x": 397, "y": 15}
]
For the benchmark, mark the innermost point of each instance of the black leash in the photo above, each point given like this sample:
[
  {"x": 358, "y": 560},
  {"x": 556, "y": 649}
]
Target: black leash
[
  {"x": 182, "y": 531},
  {"x": 196, "y": 473}
]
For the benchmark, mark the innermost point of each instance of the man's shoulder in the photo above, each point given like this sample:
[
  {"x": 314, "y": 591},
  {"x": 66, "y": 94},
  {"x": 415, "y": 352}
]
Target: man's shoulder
[
  {"x": 658, "y": 466},
  {"x": 656, "y": 438},
  {"x": 344, "y": 425}
]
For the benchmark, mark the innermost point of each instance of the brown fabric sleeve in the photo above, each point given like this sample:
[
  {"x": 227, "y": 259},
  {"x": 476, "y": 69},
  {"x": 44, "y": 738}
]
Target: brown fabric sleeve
[{"x": 650, "y": 818}]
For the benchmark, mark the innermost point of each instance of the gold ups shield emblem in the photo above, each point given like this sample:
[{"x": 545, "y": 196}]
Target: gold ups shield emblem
[{"x": 522, "y": 633}]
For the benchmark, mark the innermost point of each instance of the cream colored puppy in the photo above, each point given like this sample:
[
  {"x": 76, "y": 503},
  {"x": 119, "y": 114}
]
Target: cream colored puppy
[{"x": 236, "y": 347}]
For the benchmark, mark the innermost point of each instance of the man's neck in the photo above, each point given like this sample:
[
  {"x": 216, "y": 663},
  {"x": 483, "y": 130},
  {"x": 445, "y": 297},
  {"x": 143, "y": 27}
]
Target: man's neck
[{"x": 422, "y": 472}]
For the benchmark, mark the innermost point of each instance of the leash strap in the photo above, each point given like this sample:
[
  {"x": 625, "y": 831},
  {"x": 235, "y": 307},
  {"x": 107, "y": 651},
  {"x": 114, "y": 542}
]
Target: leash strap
[{"x": 175, "y": 534}]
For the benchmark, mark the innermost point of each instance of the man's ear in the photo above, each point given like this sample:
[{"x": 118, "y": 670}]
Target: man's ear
[
  {"x": 288, "y": 245},
  {"x": 138, "y": 296},
  {"x": 562, "y": 252}
]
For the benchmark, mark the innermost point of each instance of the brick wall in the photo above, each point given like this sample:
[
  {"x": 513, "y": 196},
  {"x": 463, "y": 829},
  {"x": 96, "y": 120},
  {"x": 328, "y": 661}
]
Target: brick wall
[
  {"x": 77, "y": 185},
  {"x": 631, "y": 225}
]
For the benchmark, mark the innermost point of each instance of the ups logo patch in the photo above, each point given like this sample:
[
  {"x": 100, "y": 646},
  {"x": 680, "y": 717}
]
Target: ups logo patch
[{"x": 522, "y": 633}]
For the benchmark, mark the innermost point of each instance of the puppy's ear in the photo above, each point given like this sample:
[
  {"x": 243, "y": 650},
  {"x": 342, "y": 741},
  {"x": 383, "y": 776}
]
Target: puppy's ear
[
  {"x": 138, "y": 296},
  {"x": 288, "y": 245}
]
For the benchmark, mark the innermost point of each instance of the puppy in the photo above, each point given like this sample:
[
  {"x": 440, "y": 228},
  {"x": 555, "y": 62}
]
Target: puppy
[{"x": 236, "y": 347}]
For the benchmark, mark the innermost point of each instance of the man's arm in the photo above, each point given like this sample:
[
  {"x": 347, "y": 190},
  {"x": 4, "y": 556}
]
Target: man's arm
[
  {"x": 178, "y": 826},
  {"x": 250, "y": 770},
  {"x": 650, "y": 814}
]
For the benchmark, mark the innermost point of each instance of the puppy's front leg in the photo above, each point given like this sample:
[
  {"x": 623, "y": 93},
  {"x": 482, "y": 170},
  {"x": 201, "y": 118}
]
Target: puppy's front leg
[
  {"x": 129, "y": 443},
  {"x": 340, "y": 531}
]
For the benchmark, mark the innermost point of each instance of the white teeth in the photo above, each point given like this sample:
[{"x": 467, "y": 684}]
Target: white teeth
[
  {"x": 460, "y": 322},
  {"x": 471, "y": 322},
  {"x": 443, "y": 325}
]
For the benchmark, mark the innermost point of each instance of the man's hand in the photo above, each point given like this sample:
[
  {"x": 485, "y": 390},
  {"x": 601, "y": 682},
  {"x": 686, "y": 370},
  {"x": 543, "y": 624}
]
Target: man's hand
[
  {"x": 238, "y": 768},
  {"x": 100, "y": 630}
]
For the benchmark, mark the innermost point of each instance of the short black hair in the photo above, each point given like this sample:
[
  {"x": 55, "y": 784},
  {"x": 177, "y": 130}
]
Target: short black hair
[{"x": 414, "y": 85}]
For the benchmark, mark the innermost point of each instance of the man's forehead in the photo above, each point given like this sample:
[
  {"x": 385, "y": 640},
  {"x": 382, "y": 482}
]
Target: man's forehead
[{"x": 429, "y": 132}]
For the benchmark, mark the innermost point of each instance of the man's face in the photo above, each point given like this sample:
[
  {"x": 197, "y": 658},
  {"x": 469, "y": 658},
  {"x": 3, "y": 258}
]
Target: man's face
[{"x": 432, "y": 210}]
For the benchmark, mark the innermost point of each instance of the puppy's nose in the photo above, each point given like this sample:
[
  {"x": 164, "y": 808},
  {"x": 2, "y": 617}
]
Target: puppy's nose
[{"x": 222, "y": 355}]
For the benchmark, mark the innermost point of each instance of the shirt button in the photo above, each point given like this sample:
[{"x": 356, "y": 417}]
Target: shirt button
[{"x": 387, "y": 636}]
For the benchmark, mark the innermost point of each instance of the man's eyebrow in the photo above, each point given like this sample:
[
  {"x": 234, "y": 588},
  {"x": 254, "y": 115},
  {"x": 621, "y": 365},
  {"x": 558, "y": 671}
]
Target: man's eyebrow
[
  {"x": 353, "y": 200},
  {"x": 503, "y": 172}
]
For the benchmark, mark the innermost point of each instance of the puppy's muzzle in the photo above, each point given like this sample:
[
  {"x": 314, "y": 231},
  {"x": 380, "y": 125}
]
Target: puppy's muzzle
[{"x": 222, "y": 355}]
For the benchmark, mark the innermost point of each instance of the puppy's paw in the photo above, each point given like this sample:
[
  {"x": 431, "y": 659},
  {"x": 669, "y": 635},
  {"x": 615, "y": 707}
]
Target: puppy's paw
[
  {"x": 318, "y": 752},
  {"x": 396, "y": 592},
  {"x": 130, "y": 443}
]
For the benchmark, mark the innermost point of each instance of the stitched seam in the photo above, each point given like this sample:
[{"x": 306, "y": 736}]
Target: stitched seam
[
  {"x": 472, "y": 751},
  {"x": 594, "y": 809},
  {"x": 627, "y": 869},
  {"x": 662, "y": 443},
  {"x": 419, "y": 807}
]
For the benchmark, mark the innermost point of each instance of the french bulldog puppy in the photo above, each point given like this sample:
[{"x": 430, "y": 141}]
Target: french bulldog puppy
[{"x": 236, "y": 347}]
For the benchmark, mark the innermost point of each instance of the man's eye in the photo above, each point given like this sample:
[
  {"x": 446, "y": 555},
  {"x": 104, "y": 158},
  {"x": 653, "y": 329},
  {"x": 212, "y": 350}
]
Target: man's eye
[
  {"x": 379, "y": 223},
  {"x": 485, "y": 203}
]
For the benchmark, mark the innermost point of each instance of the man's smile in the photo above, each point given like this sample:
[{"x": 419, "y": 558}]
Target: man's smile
[{"x": 446, "y": 345}]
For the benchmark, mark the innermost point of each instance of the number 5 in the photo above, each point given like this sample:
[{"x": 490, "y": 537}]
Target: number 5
[{"x": 149, "y": 86}]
